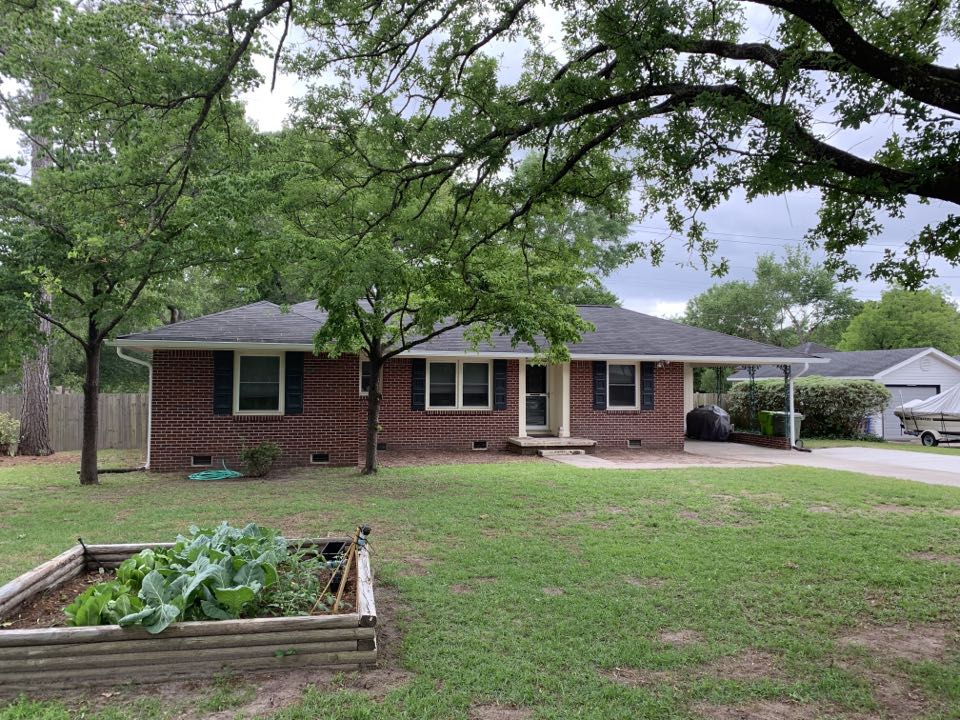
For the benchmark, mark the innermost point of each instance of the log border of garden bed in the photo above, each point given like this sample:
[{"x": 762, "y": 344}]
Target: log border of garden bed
[{"x": 63, "y": 657}]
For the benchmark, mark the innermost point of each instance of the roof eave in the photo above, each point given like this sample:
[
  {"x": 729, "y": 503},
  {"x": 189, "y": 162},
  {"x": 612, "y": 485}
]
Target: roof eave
[{"x": 144, "y": 344}]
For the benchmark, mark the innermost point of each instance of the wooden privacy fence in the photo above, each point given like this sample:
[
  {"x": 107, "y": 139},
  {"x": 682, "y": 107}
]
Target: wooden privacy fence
[
  {"x": 710, "y": 399},
  {"x": 123, "y": 419}
]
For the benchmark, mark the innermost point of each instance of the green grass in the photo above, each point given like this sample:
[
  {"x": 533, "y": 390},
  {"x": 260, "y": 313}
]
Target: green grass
[
  {"x": 882, "y": 445},
  {"x": 754, "y": 568}
]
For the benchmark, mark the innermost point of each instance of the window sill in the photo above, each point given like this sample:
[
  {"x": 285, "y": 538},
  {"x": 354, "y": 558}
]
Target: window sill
[
  {"x": 460, "y": 411},
  {"x": 257, "y": 417}
]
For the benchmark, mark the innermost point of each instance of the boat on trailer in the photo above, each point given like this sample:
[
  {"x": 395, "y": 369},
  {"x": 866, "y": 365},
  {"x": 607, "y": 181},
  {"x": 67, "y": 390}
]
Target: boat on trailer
[{"x": 935, "y": 420}]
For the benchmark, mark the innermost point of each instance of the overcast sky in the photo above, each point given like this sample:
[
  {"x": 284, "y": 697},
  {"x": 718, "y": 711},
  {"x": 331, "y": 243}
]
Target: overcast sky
[{"x": 744, "y": 230}]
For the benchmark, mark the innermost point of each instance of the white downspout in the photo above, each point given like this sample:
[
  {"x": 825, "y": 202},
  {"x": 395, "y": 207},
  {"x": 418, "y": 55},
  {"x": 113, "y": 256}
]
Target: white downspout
[
  {"x": 806, "y": 366},
  {"x": 149, "y": 366}
]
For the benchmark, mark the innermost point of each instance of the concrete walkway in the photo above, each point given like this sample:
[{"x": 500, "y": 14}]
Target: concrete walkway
[{"x": 930, "y": 468}]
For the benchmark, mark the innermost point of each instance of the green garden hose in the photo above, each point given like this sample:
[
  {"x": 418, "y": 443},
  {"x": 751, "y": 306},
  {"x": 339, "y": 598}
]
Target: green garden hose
[{"x": 224, "y": 474}]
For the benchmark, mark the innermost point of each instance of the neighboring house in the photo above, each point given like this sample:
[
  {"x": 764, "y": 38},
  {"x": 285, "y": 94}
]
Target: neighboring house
[
  {"x": 909, "y": 374},
  {"x": 248, "y": 375}
]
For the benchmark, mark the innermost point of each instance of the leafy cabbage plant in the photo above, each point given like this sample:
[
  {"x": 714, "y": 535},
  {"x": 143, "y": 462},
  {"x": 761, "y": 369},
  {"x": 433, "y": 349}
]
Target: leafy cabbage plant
[{"x": 208, "y": 574}]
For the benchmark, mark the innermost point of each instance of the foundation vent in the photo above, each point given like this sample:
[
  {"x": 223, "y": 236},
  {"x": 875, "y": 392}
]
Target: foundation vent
[
  {"x": 634, "y": 443},
  {"x": 320, "y": 458},
  {"x": 479, "y": 444},
  {"x": 201, "y": 460}
]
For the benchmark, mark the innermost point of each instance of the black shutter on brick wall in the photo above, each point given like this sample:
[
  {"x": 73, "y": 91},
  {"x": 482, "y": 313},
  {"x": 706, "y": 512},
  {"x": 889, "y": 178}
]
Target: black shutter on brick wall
[
  {"x": 499, "y": 384},
  {"x": 599, "y": 385},
  {"x": 418, "y": 384},
  {"x": 648, "y": 389},
  {"x": 223, "y": 382},
  {"x": 293, "y": 384}
]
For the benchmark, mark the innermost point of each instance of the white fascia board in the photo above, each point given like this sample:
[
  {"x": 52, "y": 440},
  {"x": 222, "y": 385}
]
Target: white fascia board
[
  {"x": 828, "y": 377},
  {"x": 204, "y": 345},
  {"x": 952, "y": 362},
  {"x": 695, "y": 359}
]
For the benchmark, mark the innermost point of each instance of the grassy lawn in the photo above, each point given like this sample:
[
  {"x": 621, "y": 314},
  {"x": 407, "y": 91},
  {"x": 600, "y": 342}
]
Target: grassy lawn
[
  {"x": 909, "y": 447},
  {"x": 535, "y": 590}
]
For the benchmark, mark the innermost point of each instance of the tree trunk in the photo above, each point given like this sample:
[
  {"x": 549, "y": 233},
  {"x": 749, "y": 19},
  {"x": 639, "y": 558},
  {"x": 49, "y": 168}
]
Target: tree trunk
[
  {"x": 374, "y": 398},
  {"x": 91, "y": 400},
  {"x": 35, "y": 397},
  {"x": 35, "y": 376}
]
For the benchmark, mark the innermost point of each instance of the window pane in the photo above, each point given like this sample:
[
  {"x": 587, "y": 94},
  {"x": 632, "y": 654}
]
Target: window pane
[
  {"x": 259, "y": 386},
  {"x": 623, "y": 374},
  {"x": 259, "y": 396},
  {"x": 536, "y": 379},
  {"x": 443, "y": 373},
  {"x": 476, "y": 384},
  {"x": 623, "y": 396},
  {"x": 365, "y": 376},
  {"x": 443, "y": 384},
  {"x": 254, "y": 368}
]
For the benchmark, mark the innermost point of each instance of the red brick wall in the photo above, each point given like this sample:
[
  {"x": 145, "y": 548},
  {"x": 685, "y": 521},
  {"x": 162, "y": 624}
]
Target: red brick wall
[
  {"x": 661, "y": 427},
  {"x": 184, "y": 423},
  {"x": 778, "y": 442},
  {"x": 334, "y": 414},
  {"x": 333, "y": 419},
  {"x": 404, "y": 428}
]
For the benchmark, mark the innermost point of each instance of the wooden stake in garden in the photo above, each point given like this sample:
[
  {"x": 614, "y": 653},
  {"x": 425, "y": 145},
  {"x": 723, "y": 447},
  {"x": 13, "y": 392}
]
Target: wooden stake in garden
[{"x": 346, "y": 573}]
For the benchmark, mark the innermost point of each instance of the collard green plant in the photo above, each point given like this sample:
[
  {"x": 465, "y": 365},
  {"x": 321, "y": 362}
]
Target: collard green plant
[
  {"x": 103, "y": 604},
  {"x": 208, "y": 574}
]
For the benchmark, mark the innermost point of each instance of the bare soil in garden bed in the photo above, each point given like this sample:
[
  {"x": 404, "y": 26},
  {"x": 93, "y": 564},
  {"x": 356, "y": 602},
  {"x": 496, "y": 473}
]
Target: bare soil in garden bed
[{"x": 46, "y": 609}]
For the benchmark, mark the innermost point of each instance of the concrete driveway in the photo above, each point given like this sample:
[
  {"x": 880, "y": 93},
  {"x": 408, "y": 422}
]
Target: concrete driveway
[{"x": 930, "y": 468}]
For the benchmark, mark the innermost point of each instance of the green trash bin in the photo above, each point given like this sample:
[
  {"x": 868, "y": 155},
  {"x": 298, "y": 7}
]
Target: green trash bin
[
  {"x": 765, "y": 418},
  {"x": 780, "y": 420}
]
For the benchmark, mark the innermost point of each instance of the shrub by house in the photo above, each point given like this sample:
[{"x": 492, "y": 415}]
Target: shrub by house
[{"x": 831, "y": 407}]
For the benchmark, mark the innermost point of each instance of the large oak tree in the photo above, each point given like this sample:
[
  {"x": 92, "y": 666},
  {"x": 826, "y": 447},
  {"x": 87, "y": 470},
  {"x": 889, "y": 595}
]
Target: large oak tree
[{"x": 693, "y": 98}]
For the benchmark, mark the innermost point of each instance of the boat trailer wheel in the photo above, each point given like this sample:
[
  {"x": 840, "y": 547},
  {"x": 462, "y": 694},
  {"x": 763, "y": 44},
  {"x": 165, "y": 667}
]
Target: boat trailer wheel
[{"x": 929, "y": 440}]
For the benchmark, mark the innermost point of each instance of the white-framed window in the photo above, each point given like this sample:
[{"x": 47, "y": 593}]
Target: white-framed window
[
  {"x": 623, "y": 386},
  {"x": 459, "y": 385},
  {"x": 258, "y": 383}
]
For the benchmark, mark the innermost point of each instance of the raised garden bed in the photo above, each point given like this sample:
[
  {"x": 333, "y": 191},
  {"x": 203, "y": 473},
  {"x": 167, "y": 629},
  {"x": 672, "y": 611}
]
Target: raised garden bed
[{"x": 61, "y": 657}]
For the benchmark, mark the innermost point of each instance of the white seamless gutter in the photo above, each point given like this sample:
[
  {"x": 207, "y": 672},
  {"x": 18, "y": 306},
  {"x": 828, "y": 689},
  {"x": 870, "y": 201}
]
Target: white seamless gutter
[
  {"x": 147, "y": 364},
  {"x": 698, "y": 359}
]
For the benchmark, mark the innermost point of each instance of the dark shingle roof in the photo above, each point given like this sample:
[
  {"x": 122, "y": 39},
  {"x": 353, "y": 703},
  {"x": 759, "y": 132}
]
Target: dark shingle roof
[
  {"x": 856, "y": 363},
  {"x": 618, "y": 332}
]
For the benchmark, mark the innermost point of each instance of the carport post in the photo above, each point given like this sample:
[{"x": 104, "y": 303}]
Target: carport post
[{"x": 790, "y": 427}]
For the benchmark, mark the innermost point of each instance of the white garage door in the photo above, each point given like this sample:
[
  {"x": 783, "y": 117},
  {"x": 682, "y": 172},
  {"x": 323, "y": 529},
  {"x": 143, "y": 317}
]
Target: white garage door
[{"x": 902, "y": 394}]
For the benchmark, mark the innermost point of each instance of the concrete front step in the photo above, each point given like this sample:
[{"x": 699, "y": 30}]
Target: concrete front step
[
  {"x": 533, "y": 445},
  {"x": 547, "y": 452}
]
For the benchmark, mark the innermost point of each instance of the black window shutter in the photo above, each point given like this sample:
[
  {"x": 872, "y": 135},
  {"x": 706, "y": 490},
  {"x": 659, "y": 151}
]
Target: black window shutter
[
  {"x": 647, "y": 370},
  {"x": 418, "y": 384},
  {"x": 223, "y": 382},
  {"x": 599, "y": 385},
  {"x": 293, "y": 384},
  {"x": 499, "y": 384}
]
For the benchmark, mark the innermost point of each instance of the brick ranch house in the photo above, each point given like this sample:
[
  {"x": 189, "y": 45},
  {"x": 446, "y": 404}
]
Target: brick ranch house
[{"x": 249, "y": 375}]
